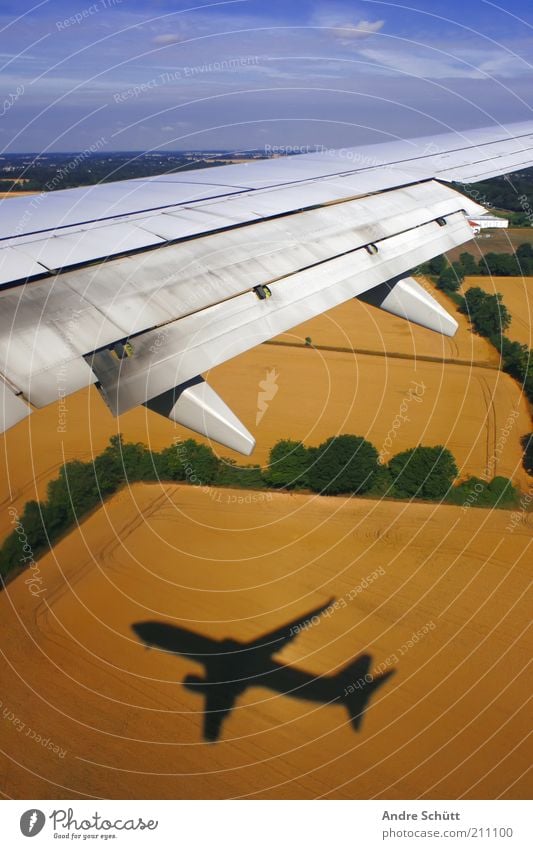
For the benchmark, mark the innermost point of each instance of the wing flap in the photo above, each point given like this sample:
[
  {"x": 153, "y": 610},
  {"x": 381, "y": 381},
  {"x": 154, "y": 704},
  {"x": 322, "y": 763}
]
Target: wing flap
[
  {"x": 12, "y": 409},
  {"x": 191, "y": 305},
  {"x": 140, "y": 292},
  {"x": 43, "y": 340},
  {"x": 55, "y": 384},
  {"x": 183, "y": 349}
]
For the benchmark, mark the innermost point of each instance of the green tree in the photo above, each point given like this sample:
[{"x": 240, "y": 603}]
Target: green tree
[
  {"x": 288, "y": 465},
  {"x": 459, "y": 271},
  {"x": 57, "y": 511},
  {"x": 500, "y": 265},
  {"x": 381, "y": 484},
  {"x": 170, "y": 465},
  {"x": 137, "y": 462},
  {"x": 10, "y": 554},
  {"x": 519, "y": 219},
  {"x": 241, "y": 477},
  {"x": 108, "y": 466},
  {"x": 472, "y": 490},
  {"x": 525, "y": 251},
  {"x": 527, "y": 445},
  {"x": 487, "y": 314},
  {"x": 469, "y": 264},
  {"x": 499, "y": 492},
  {"x": 449, "y": 280},
  {"x": 108, "y": 472},
  {"x": 437, "y": 265},
  {"x": 33, "y": 524},
  {"x": 502, "y": 492},
  {"x": 423, "y": 472},
  {"x": 515, "y": 357},
  {"x": 528, "y": 386},
  {"x": 72, "y": 494},
  {"x": 492, "y": 317},
  {"x": 473, "y": 298},
  {"x": 343, "y": 464},
  {"x": 198, "y": 463}
]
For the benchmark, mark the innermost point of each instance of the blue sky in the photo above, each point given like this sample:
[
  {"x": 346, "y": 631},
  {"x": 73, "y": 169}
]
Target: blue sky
[{"x": 133, "y": 75}]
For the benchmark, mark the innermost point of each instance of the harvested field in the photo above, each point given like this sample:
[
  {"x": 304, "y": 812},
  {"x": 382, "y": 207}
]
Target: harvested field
[
  {"x": 89, "y": 712},
  {"x": 499, "y": 241},
  {"x": 357, "y": 326}
]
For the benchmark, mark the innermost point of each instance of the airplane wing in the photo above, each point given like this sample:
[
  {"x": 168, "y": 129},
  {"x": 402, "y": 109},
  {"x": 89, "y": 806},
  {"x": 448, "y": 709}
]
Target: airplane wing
[
  {"x": 274, "y": 641},
  {"x": 140, "y": 286},
  {"x": 175, "y": 640}
]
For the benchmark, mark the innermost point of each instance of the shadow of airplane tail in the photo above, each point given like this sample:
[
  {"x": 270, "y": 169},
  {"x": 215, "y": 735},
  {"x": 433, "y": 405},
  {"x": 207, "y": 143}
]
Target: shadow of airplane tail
[{"x": 358, "y": 686}]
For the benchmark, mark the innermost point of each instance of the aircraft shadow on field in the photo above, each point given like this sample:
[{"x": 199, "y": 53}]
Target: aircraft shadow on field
[{"x": 231, "y": 667}]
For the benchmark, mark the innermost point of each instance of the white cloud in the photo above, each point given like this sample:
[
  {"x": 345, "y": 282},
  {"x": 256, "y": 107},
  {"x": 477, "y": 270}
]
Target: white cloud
[
  {"x": 349, "y": 32},
  {"x": 442, "y": 63},
  {"x": 498, "y": 63},
  {"x": 168, "y": 38}
]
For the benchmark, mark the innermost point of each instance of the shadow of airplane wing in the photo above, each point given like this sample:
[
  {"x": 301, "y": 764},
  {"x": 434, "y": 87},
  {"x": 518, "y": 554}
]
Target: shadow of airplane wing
[
  {"x": 220, "y": 700},
  {"x": 274, "y": 641},
  {"x": 175, "y": 640}
]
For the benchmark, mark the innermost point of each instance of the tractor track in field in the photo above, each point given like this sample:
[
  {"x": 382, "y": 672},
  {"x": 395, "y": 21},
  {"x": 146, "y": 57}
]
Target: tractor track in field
[{"x": 394, "y": 355}]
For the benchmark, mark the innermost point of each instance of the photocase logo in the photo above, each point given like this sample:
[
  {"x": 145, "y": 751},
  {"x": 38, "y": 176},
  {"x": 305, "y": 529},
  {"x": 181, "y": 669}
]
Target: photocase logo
[
  {"x": 32, "y": 822},
  {"x": 269, "y": 388}
]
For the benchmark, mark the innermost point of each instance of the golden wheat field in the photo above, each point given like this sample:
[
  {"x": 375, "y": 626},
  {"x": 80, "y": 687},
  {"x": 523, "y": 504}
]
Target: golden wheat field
[
  {"x": 435, "y": 595},
  {"x": 11, "y": 194},
  {"x": 90, "y": 712},
  {"x": 357, "y": 326}
]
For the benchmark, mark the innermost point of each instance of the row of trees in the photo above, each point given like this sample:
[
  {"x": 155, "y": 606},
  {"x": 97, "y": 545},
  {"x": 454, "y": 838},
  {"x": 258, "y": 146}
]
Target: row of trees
[
  {"x": 341, "y": 465},
  {"x": 490, "y": 318},
  {"x": 517, "y": 360},
  {"x": 349, "y": 465},
  {"x": 447, "y": 276},
  {"x": 82, "y": 486},
  {"x": 487, "y": 313},
  {"x": 450, "y": 276},
  {"x": 517, "y": 264}
]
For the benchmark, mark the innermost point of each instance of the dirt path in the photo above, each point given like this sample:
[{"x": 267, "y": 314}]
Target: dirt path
[{"x": 394, "y": 355}]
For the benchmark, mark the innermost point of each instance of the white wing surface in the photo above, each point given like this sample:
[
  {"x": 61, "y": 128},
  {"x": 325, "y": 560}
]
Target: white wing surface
[{"x": 140, "y": 286}]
